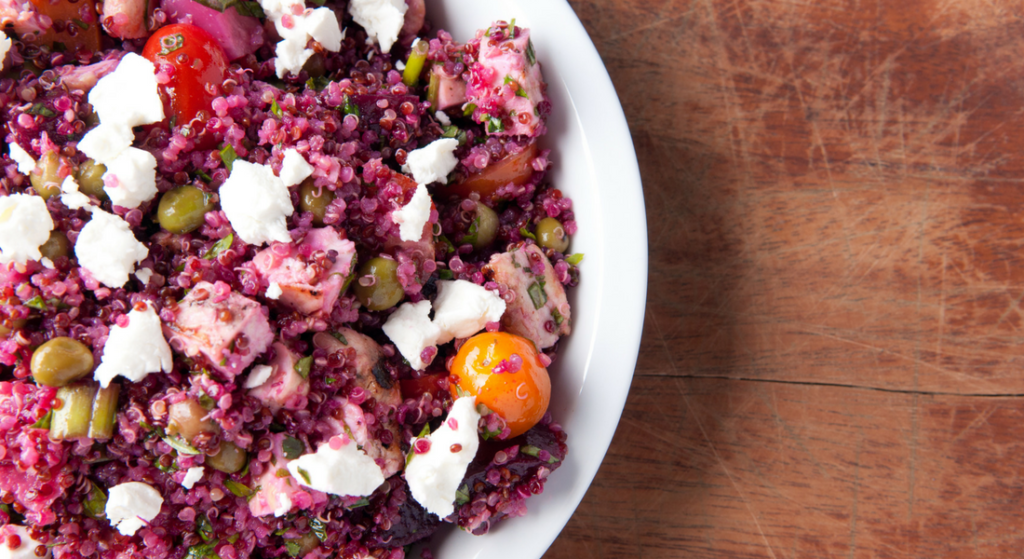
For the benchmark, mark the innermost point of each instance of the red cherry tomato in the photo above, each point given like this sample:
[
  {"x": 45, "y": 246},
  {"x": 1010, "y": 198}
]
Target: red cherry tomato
[
  {"x": 519, "y": 395},
  {"x": 197, "y": 70},
  {"x": 516, "y": 169}
]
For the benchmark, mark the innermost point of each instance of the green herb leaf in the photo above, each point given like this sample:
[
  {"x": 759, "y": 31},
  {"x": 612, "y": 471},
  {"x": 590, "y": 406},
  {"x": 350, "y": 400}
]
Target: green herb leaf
[
  {"x": 204, "y": 528},
  {"x": 40, "y": 109},
  {"x": 293, "y": 547},
  {"x": 292, "y": 447},
  {"x": 36, "y": 303},
  {"x": 471, "y": 236},
  {"x": 526, "y": 233},
  {"x": 360, "y": 503},
  {"x": 557, "y": 316},
  {"x": 181, "y": 445},
  {"x": 204, "y": 176},
  {"x": 44, "y": 422},
  {"x": 96, "y": 505},
  {"x": 219, "y": 247},
  {"x": 341, "y": 338},
  {"x": 450, "y": 131},
  {"x": 469, "y": 110},
  {"x": 202, "y": 551},
  {"x": 317, "y": 83},
  {"x": 495, "y": 125},
  {"x": 462, "y": 495},
  {"x": 228, "y": 156},
  {"x": 281, "y": 472},
  {"x": 207, "y": 402},
  {"x": 171, "y": 43},
  {"x": 424, "y": 432},
  {"x": 350, "y": 108},
  {"x": 537, "y": 295},
  {"x": 446, "y": 274},
  {"x": 234, "y": 538},
  {"x": 238, "y": 489},
  {"x": 81, "y": 24},
  {"x": 319, "y": 528},
  {"x": 531, "y": 55},
  {"x": 529, "y": 450},
  {"x": 276, "y": 109},
  {"x": 305, "y": 475},
  {"x": 575, "y": 258},
  {"x": 304, "y": 365},
  {"x": 244, "y": 7}
]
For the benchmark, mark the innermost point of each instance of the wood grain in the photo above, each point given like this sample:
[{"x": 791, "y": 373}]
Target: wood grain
[{"x": 831, "y": 360}]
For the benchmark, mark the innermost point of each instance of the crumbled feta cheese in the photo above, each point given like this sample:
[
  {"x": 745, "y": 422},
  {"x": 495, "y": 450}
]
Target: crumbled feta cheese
[
  {"x": 399, "y": 65},
  {"x": 47, "y": 263},
  {"x": 108, "y": 249},
  {"x": 291, "y": 57},
  {"x": 106, "y": 141},
  {"x": 192, "y": 476},
  {"x": 143, "y": 275},
  {"x": 284, "y": 504},
  {"x": 130, "y": 179},
  {"x": 26, "y": 548},
  {"x": 294, "y": 168},
  {"x": 382, "y": 19},
  {"x": 135, "y": 350},
  {"x": 413, "y": 216},
  {"x": 25, "y": 161},
  {"x": 70, "y": 196},
  {"x": 434, "y": 476},
  {"x": 25, "y": 224},
  {"x": 432, "y": 162},
  {"x": 442, "y": 118},
  {"x": 463, "y": 308},
  {"x": 5, "y": 47},
  {"x": 258, "y": 376},
  {"x": 131, "y": 505},
  {"x": 322, "y": 25},
  {"x": 411, "y": 330},
  {"x": 338, "y": 467},
  {"x": 256, "y": 203},
  {"x": 274, "y": 290},
  {"x": 128, "y": 96}
]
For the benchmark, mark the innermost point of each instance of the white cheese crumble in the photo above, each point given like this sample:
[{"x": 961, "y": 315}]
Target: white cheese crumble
[
  {"x": 106, "y": 141},
  {"x": 435, "y": 475},
  {"x": 25, "y": 224},
  {"x": 25, "y": 161},
  {"x": 108, "y": 249},
  {"x": 344, "y": 471},
  {"x": 192, "y": 476},
  {"x": 463, "y": 308},
  {"x": 291, "y": 57},
  {"x": 130, "y": 179},
  {"x": 413, "y": 216},
  {"x": 135, "y": 350},
  {"x": 274, "y": 290},
  {"x": 259, "y": 375},
  {"x": 411, "y": 330},
  {"x": 131, "y": 505},
  {"x": 442, "y": 118},
  {"x": 128, "y": 96},
  {"x": 143, "y": 275},
  {"x": 26, "y": 548},
  {"x": 47, "y": 263},
  {"x": 294, "y": 168},
  {"x": 323, "y": 26},
  {"x": 70, "y": 196},
  {"x": 399, "y": 65},
  {"x": 256, "y": 203},
  {"x": 320, "y": 25},
  {"x": 284, "y": 504},
  {"x": 432, "y": 162},
  {"x": 382, "y": 19},
  {"x": 5, "y": 47}
]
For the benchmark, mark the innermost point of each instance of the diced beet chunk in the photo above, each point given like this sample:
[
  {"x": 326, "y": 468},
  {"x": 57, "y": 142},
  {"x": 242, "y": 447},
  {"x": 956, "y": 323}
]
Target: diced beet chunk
[
  {"x": 539, "y": 311},
  {"x": 230, "y": 331},
  {"x": 285, "y": 388},
  {"x": 310, "y": 275}
]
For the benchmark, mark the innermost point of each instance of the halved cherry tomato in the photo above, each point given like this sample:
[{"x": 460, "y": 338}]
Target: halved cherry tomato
[
  {"x": 197, "y": 70},
  {"x": 520, "y": 397},
  {"x": 516, "y": 169},
  {"x": 75, "y": 25},
  {"x": 416, "y": 387}
]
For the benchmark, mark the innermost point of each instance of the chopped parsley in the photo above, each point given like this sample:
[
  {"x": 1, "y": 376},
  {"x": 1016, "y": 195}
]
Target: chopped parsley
[
  {"x": 292, "y": 447},
  {"x": 537, "y": 295},
  {"x": 219, "y": 247},
  {"x": 228, "y": 156}
]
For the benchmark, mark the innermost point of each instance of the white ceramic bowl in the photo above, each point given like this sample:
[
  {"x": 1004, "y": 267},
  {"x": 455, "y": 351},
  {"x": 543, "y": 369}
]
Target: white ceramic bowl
[{"x": 594, "y": 163}]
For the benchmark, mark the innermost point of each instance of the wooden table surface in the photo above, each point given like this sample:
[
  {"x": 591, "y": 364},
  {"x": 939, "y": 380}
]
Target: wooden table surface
[{"x": 831, "y": 361}]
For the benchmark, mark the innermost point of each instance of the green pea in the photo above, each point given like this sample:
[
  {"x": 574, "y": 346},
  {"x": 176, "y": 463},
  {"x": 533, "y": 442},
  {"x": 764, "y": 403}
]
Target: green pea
[
  {"x": 484, "y": 228},
  {"x": 384, "y": 291},
  {"x": 60, "y": 362},
  {"x": 56, "y": 246},
  {"x": 185, "y": 419},
  {"x": 45, "y": 177},
  {"x": 310, "y": 201},
  {"x": 181, "y": 210},
  {"x": 551, "y": 234},
  {"x": 90, "y": 179},
  {"x": 229, "y": 459}
]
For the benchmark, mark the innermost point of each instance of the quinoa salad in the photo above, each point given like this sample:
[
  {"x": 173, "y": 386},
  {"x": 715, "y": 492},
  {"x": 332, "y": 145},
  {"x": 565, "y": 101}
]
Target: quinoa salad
[{"x": 278, "y": 278}]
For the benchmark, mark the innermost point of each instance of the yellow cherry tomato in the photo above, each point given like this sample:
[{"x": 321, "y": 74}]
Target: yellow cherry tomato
[{"x": 505, "y": 374}]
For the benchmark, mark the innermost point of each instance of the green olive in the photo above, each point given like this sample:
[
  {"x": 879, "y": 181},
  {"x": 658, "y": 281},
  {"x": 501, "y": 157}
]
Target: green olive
[
  {"x": 45, "y": 178},
  {"x": 307, "y": 543},
  {"x": 484, "y": 227},
  {"x": 56, "y": 246},
  {"x": 181, "y": 210},
  {"x": 186, "y": 420},
  {"x": 61, "y": 361},
  {"x": 90, "y": 179},
  {"x": 551, "y": 234},
  {"x": 229, "y": 459},
  {"x": 309, "y": 201},
  {"x": 384, "y": 290}
]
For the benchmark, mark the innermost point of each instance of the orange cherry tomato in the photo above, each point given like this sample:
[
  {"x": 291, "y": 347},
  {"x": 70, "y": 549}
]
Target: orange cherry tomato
[
  {"x": 521, "y": 397},
  {"x": 516, "y": 169}
]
